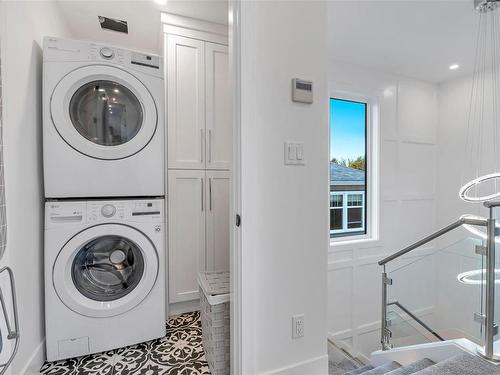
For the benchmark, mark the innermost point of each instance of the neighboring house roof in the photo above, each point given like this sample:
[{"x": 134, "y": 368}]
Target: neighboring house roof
[{"x": 340, "y": 175}]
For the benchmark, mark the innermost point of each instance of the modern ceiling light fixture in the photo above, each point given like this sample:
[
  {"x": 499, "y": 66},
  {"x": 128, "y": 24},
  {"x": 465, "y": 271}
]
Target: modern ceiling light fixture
[
  {"x": 454, "y": 66},
  {"x": 481, "y": 169}
]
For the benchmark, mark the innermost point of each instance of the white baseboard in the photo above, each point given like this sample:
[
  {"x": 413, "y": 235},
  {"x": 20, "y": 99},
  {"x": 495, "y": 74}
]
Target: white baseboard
[
  {"x": 315, "y": 366},
  {"x": 36, "y": 360},
  {"x": 183, "y": 307}
]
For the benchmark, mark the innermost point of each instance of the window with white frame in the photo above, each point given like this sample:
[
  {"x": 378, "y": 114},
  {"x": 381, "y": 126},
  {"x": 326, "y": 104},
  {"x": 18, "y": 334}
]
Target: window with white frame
[
  {"x": 348, "y": 167},
  {"x": 347, "y": 212}
]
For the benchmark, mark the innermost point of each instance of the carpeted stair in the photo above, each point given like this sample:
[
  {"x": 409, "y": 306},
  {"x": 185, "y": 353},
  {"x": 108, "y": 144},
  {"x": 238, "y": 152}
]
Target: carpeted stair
[{"x": 465, "y": 364}]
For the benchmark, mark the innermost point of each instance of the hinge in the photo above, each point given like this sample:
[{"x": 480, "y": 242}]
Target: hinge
[
  {"x": 388, "y": 333},
  {"x": 481, "y": 250},
  {"x": 386, "y": 280},
  {"x": 481, "y": 319}
]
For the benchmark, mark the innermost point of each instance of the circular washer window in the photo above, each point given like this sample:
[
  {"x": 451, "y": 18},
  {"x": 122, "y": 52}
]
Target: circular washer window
[
  {"x": 106, "y": 113},
  {"x": 107, "y": 268}
]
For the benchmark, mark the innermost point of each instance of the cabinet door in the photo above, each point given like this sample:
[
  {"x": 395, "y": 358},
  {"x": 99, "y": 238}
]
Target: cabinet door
[
  {"x": 217, "y": 220},
  {"x": 186, "y": 103},
  {"x": 186, "y": 234},
  {"x": 218, "y": 110}
]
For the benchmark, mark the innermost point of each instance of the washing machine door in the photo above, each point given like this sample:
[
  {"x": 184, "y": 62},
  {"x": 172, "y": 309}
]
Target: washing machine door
[
  {"x": 105, "y": 270},
  {"x": 103, "y": 112}
]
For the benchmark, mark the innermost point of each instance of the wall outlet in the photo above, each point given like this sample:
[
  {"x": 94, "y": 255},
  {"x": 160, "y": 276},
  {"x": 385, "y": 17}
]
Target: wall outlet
[{"x": 298, "y": 326}]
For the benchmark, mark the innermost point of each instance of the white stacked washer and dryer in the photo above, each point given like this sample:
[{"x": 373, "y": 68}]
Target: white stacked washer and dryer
[{"x": 103, "y": 138}]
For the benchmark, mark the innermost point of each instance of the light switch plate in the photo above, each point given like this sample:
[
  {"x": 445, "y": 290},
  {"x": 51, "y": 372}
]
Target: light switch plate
[{"x": 294, "y": 153}]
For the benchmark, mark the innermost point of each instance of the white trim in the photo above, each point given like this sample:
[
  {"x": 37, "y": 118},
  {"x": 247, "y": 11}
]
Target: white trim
[
  {"x": 372, "y": 165},
  {"x": 36, "y": 360},
  {"x": 179, "y": 308},
  {"x": 314, "y": 366},
  {"x": 194, "y": 28},
  {"x": 235, "y": 189}
]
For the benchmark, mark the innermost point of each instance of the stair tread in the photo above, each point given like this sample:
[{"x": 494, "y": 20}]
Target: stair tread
[
  {"x": 341, "y": 367},
  {"x": 384, "y": 369},
  {"x": 360, "y": 370},
  {"x": 466, "y": 364},
  {"x": 413, "y": 367}
]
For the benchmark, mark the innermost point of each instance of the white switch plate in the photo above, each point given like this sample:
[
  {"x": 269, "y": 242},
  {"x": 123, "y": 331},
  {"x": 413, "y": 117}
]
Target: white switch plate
[
  {"x": 298, "y": 326},
  {"x": 294, "y": 153}
]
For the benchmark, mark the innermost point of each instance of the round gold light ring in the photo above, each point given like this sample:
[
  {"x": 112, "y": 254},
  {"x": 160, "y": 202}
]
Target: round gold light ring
[{"x": 476, "y": 182}]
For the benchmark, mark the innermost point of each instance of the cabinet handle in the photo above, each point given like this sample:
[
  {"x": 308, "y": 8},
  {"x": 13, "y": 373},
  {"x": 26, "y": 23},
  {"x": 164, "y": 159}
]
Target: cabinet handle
[
  {"x": 202, "y": 142},
  {"x": 202, "y": 195},
  {"x": 210, "y": 192},
  {"x": 209, "y": 145}
]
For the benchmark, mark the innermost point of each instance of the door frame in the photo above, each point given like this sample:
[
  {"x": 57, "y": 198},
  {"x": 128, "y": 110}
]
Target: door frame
[{"x": 235, "y": 188}]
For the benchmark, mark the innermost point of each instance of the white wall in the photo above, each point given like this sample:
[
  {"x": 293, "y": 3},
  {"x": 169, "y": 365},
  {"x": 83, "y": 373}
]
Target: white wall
[
  {"x": 408, "y": 131},
  {"x": 23, "y": 25},
  {"x": 284, "y": 231}
]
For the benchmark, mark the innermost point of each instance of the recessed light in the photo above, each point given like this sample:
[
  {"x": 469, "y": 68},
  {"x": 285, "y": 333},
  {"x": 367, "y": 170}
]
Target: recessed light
[
  {"x": 160, "y": 2},
  {"x": 454, "y": 66}
]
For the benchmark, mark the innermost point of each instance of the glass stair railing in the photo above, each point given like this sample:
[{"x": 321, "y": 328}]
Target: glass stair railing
[{"x": 437, "y": 288}]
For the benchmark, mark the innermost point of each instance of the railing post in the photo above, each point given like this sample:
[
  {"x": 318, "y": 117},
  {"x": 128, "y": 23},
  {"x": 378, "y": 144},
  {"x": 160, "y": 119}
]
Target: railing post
[
  {"x": 384, "y": 339},
  {"x": 490, "y": 288}
]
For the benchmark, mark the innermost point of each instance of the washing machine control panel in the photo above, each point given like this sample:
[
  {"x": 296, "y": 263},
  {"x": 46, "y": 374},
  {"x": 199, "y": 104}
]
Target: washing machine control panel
[
  {"x": 147, "y": 210},
  {"x": 62, "y": 50},
  {"x": 101, "y": 211}
]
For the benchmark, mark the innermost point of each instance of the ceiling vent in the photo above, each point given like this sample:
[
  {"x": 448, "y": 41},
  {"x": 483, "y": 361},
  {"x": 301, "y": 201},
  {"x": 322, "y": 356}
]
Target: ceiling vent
[{"x": 113, "y": 24}]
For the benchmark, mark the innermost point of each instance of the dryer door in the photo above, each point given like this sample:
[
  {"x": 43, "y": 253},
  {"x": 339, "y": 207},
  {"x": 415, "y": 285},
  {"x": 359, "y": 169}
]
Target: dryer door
[
  {"x": 105, "y": 270},
  {"x": 103, "y": 112}
]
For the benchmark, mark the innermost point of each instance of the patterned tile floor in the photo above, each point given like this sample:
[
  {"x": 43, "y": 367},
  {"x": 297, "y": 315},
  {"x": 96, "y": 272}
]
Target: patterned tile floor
[{"x": 180, "y": 352}]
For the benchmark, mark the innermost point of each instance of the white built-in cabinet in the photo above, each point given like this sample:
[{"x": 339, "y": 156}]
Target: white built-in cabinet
[
  {"x": 198, "y": 102},
  {"x": 199, "y": 159}
]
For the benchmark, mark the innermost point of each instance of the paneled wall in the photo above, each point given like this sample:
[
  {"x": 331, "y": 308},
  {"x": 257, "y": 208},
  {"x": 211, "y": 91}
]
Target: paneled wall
[
  {"x": 454, "y": 98},
  {"x": 407, "y": 182}
]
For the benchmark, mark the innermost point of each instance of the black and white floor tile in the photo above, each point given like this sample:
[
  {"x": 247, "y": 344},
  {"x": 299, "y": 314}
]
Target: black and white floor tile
[{"x": 180, "y": 352}]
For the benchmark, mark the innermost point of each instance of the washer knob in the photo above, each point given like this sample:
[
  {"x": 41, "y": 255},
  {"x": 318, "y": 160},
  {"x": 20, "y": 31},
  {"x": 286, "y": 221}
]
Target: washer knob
[
  {"x": 108, "y": 210},
  {"x": 107, "y": 52}
]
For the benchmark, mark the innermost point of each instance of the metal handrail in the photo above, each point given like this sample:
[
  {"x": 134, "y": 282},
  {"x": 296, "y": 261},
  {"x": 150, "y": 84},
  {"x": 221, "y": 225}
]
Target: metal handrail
[
  {"x": 386, "y": 281},
  {"x": 433, "y": 236},
  {"x": 417, "y": 319}
]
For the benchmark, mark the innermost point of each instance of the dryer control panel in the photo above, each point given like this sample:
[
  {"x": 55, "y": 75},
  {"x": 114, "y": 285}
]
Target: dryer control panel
[
  {"x": 104, "y": 211},
  {"x": 63, "y": 50}
]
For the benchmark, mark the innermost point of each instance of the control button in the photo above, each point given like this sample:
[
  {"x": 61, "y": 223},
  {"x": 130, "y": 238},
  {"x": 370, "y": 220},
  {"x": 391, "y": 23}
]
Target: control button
[
  {"x": 108, "y": 210},
  {"x": 107, "y": 53}
]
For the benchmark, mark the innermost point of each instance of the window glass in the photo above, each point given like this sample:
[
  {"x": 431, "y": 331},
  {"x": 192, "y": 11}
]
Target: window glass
[
  {"x": 348, "y": 161},
  {"x": 107, "y": 268},
  {"x": 106, "y": 113}
]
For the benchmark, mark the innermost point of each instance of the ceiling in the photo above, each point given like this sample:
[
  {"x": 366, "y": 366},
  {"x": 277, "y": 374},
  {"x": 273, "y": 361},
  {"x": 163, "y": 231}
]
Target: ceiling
[
  {"x": 143, "y": 17},
  {"x": 418, "y": 39}
]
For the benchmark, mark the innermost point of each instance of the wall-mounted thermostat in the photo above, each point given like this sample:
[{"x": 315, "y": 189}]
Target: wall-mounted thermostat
[{"x": 302, "y": 91}]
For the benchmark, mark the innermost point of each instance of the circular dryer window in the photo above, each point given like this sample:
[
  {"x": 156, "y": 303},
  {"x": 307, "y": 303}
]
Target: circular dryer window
[
  {"x": 103, "y": 112},
  {"x": 107, "y": 268},
  {"x": 106, "y": 113}
]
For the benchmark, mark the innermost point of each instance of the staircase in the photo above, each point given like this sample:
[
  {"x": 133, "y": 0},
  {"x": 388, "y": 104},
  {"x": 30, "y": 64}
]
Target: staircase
[{"x": 465, "y": 364}]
